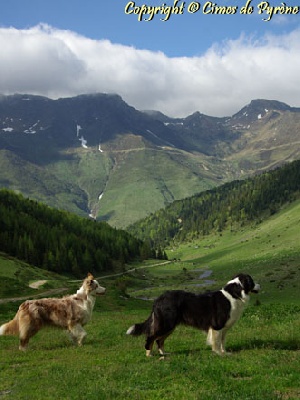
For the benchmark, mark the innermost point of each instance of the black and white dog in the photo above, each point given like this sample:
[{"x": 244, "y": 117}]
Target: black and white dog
[{"x": 213, "y": 312}]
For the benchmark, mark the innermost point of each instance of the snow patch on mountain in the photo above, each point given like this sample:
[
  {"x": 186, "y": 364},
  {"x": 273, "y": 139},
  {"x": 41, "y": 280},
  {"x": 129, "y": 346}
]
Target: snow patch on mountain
[
  {"x": 78, "y": 129},
  {"x": 32, "y": 129},
  {"x": 81, "y": 139},
  {"x": 83, "y": 142}
]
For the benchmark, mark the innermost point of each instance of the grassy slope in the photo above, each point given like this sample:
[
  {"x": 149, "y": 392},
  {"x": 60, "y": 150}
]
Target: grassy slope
[
  {"x": 265, "y": 343},
  {"x": 15, "y": 277},
  {"x": 41, "y": 184},
  {"x": 270, "y": 251},
  {"x": 88, "y": 170},
  {"x": 133, "y": 192}
]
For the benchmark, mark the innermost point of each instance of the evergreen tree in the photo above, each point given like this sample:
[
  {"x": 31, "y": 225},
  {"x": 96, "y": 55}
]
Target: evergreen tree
[{"x": 59, "y": 241}]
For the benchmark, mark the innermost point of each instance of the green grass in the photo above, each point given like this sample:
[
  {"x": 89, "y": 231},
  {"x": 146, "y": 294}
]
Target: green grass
[{"x": 263, "y": 363}]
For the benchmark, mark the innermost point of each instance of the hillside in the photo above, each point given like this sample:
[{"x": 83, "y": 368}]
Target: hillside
[
  {"x": 62, "y": 242},
  {"x": 95, "y": 155},
  {"x": 231, "y": 205}
]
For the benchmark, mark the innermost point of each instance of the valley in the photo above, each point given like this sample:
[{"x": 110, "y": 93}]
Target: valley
[{"x": 114, "y": 365}]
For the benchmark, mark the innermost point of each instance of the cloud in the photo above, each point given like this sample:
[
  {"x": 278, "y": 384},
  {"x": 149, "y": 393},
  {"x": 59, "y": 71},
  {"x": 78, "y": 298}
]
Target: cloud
[{"x": 58, "y": 63}]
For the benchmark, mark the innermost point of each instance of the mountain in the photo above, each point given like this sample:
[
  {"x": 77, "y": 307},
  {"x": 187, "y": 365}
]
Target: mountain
[{"x": 96, "y": 155}]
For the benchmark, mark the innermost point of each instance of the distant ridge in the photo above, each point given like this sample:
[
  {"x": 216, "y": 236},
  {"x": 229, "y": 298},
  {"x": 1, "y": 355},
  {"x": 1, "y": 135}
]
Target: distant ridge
[{"x": 97, "y": 156}]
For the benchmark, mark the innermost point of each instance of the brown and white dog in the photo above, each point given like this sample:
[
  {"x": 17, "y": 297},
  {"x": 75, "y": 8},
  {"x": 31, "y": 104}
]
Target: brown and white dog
[
  {"x": 69, "y": 312},
  {"x": 213, "y": 312}
]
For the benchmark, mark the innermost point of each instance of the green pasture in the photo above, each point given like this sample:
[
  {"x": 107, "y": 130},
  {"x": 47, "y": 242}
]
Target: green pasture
[{"x": 263, "y": 363}]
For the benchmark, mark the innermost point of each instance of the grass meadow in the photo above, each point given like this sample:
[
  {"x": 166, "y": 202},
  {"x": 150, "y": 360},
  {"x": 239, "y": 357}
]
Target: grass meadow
[
  {"x": 263, "y": 364},
  {"x": 264, "y": 346}
]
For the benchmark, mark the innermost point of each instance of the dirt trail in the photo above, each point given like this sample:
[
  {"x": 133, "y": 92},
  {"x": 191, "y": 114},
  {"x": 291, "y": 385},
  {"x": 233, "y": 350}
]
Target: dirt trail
[
  {"x": 134, "y": 269},
  {"x": 35, "y": 285}
]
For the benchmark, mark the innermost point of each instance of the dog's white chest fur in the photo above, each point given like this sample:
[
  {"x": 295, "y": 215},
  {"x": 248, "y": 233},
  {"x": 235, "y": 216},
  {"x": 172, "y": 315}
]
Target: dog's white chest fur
[{"x": 237, "y": 307}]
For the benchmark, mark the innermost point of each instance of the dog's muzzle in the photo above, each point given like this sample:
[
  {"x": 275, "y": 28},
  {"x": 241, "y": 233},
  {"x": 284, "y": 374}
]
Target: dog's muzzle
[
  {"x": 100, "y": 291},
  {"x": 256, "y": 288}
]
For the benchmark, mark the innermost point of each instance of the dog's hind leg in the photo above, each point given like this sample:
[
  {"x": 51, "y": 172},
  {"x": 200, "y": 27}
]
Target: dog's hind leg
[
  {"x": 149, "y": 345},
  {"x": 160, "y": 345},
  {"x": 25, "y": 335},
  {"x": 161, "y": 342},
  {"x": 23, "y": 343},
  {"x": 28, "y": 328}
]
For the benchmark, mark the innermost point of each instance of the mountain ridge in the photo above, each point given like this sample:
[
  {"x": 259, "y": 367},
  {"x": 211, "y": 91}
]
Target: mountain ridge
[{"x": 96, "y": 155}]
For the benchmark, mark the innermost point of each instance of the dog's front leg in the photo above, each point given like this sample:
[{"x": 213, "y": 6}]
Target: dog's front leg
[
  {"x": 77, "y": 333},
  {"x": 216, "y": 341},
  {"x": 223, "y": 339}
]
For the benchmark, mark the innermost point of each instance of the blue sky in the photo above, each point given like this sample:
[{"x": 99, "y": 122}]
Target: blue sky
[
  {"x": 182, "y": 35},
  {"x": 210, "y": 63}
]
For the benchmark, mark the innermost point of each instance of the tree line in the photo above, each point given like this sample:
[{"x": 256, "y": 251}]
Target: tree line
[
  {"x": 228, "y": 206},
  {"x": 62, "y": 242}
]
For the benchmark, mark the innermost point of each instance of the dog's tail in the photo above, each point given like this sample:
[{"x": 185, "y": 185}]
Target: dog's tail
[
  {"x": 143, "y": 327},
  {"x": 11, "y": 327}
]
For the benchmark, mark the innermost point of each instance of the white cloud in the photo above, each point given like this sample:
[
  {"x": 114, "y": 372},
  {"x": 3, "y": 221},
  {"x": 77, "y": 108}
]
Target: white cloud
[{"x": 56, "y": 63}]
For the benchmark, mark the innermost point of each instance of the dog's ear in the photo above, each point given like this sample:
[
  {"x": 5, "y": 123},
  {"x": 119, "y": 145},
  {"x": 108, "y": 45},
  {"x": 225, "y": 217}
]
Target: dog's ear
[{"x": 90, "y": 276}]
